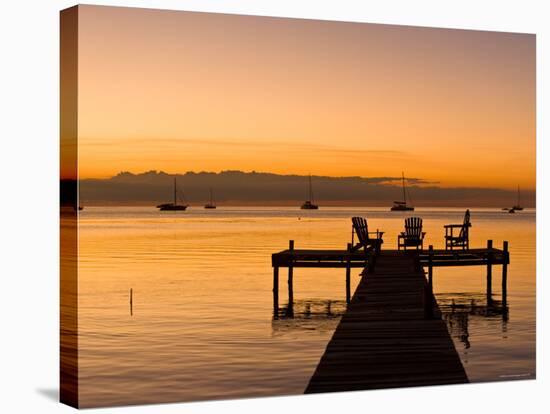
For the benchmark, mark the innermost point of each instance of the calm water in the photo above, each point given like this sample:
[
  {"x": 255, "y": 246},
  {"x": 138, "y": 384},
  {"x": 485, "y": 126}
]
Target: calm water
[{"x": 201, "y": 325}]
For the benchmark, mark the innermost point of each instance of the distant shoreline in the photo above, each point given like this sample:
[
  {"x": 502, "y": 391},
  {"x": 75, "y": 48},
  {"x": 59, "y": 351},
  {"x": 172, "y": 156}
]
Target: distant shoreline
[{"x": 267, "y": 189}]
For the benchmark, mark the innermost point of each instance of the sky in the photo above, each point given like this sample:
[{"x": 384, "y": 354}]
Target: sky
[{"x": 181, "y": 91}]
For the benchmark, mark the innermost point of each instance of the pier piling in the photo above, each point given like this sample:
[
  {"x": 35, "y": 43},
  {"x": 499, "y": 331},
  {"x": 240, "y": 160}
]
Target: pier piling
[
  {"x": 505, "y": 274},
  {"x": 489, "y": 272},
  {"x": 291, "y": 277},
  {"x": 276, "y": 291}
]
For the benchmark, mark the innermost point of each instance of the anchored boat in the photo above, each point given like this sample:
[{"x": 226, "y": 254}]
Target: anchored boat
[
  {"x": 309, "y": 204},
  {"x": 516, "y": 207},
  {"x": 211, "y": 203},
  {"x": 402, "y": 205},
  {"x": 173, "y": 206}
]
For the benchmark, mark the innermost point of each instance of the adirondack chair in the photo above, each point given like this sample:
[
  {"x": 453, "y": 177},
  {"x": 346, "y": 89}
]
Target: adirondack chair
[
  {"x": 462, "y": 240},
  {"x": 413, "y": 236},
  {"x": 365, "y": 240}
]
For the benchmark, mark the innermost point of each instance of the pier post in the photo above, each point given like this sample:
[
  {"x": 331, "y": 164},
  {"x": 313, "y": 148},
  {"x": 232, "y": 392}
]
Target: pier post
[
  {"x": 505, "y": 273},
  {"x": 276, "y": 292},
  {"x": 489, "y": 272},
  {"x": 430, "y": 264},
  {"x": 348, "y": 275},
  {"x": 291, "y": 275}
]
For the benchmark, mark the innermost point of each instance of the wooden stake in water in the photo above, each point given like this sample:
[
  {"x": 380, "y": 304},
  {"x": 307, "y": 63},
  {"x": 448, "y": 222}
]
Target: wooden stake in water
[{"x": 131, "y": 302}]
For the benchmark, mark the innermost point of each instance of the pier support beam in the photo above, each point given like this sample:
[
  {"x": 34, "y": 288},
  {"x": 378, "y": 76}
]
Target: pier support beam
[
  {"x": 489, "y": 272},
  {"x": 505, "y": 274}
]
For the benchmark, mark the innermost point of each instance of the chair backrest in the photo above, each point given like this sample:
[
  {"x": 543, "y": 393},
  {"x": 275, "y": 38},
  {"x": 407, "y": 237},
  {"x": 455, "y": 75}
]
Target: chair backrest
[
  {"x": 361, "y": 228},
  {"x": 413, "y": 227},
  {"x": 464, "y": 230}
]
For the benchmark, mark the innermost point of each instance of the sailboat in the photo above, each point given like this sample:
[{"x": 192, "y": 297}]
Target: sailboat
[
  {"x": 210, "y": 204},
  {"x": 309, "y": 204},
  {"x": 518, "y": 206},
  {"x": 173, "y": 206},
  {"x": 402, "y": 205}
]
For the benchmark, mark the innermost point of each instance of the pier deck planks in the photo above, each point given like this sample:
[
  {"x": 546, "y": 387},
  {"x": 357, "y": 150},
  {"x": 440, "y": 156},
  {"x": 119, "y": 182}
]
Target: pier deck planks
[
  {"x": 384, "y": 339},
  {"x": 339, "y": 258}
]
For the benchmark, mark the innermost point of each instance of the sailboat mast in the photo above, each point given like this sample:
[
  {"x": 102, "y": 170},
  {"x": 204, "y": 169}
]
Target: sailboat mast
[
  {"x": 310, "y": 190},
  {"x": 175, "y": 196},
  {"x": 519, "y": 200},
  {"x": 403, "y": 180}
]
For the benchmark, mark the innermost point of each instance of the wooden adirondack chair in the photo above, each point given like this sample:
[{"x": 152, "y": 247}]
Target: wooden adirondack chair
[
  {"x": 361, "y": 228},
  {"x": 413, "y": 236},
  {"x": 463, "y": 238}
]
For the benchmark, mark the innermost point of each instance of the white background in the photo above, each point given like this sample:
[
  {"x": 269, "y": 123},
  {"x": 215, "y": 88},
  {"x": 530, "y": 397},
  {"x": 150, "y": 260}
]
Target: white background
[{"x": 29, "y": 157}]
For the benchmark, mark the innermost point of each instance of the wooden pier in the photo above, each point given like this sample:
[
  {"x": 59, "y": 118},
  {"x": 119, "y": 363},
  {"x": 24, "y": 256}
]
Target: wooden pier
[
  {"x": 296, "y": 258},
  {"x": 388, "y": 337},
  {"x": 392, "y": 334}
]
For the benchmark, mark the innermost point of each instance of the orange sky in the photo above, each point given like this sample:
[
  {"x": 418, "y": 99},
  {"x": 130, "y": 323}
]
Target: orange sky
[{"x": 179, "y": 91}]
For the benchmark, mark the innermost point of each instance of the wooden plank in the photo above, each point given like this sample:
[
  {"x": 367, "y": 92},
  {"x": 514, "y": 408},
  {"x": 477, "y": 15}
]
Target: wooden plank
[
  {"x": 385, "y": 339},
  {"x": 331, "y": 265},
  {"x": 339, "y": 258}
]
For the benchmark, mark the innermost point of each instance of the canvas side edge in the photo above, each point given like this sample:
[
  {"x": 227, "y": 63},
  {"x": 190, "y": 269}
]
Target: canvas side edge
[{"x": 69, "y": 389}]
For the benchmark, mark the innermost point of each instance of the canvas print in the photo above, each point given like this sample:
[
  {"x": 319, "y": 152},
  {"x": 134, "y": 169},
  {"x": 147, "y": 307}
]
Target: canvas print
[{"x": 257, "y": 206}]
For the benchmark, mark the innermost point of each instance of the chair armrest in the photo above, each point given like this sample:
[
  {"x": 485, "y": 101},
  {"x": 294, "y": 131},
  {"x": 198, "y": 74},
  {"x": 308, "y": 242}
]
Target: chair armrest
[
  {"x": 381, "y": 233},
  {"x": 448, "y": 226}
]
